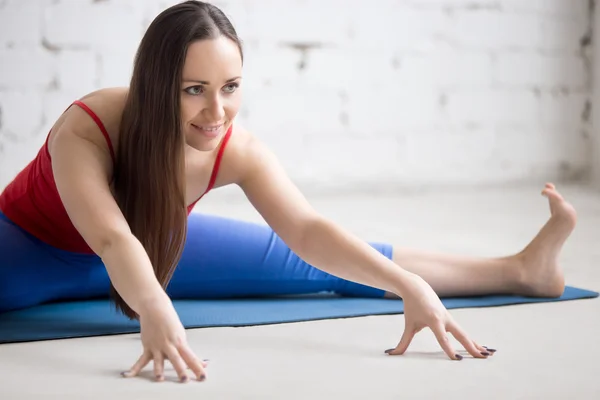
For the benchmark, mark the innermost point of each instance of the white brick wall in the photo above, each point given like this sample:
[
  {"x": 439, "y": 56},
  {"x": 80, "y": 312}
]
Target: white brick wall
[
  {"x": 595, "y": 133},
  {"x": 392, "y": 93}
]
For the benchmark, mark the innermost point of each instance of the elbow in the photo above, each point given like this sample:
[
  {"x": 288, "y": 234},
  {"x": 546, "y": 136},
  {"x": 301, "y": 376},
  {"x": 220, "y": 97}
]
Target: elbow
[{"x": 103, "y": 244}]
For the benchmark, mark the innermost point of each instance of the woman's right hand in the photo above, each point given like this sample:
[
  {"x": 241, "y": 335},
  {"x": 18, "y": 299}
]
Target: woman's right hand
[{"x": 164, "y": 338}]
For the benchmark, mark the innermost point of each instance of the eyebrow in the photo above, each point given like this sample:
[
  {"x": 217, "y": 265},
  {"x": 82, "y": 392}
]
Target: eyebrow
[{"x": 208, "y": 83}]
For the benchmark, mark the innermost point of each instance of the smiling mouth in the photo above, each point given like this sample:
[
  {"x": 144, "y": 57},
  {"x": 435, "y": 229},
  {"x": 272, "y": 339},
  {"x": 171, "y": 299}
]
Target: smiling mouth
[
  {"x": 211, "y": 131},
  {"x": 209, "y": 128}
]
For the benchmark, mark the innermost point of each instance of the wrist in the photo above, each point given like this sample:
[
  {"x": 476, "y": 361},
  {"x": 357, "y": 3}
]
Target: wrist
[
  {"x": 157, "y": 302},
  {"x": 401, "y": 282}
]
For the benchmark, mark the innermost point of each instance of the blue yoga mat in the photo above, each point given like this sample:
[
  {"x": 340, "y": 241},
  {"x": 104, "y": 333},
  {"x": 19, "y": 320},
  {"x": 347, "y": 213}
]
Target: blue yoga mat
[{"x": 97, "y": 318}]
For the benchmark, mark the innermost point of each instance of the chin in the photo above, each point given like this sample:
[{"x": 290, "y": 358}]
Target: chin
[{"x": 203, "y": 144}]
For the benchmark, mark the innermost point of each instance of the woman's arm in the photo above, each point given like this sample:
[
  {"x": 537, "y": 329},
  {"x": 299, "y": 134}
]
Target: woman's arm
[
  {"x": 326, "y": 246},
  {"x": 82, "y": 167},
  {"x": 81, "y": 170},
  {"x": 314, "y": 238}
]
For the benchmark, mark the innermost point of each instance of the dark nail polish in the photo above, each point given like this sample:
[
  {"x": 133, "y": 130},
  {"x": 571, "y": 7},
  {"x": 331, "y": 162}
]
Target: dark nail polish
[
  {"x": 202, "y": 378},
  {"x": 485, "y": 353},
  {"x": 458, "y": 357},
  {"x": 388, "y": 351},
  {"x": 124, "y": 374},
  {"x": 183, "y": 379},
  {"x": 206, "y": 360},
  {"x": 490, "y": 350}
]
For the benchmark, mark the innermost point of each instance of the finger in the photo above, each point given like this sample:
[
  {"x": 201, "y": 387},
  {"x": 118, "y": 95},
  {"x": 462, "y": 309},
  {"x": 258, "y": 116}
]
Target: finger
[
  {"x": 407, "y": 337},
  {"x": 483, "y": 350},
  {"x": 467, "y": 343},
  {"x": 159, "y": 367},
  {"x": 204, "y": 363},
  {"x": 177, "y": 363},
  {"x": 193, "y": 362},
  {"x": 138, "y": 366},
  {"x": 489, "y": 350},
  {"x": 439, "y": 330}
]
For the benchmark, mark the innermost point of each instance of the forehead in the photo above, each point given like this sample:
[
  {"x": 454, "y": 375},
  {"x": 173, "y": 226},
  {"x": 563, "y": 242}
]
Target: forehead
[{"x": 212, "y": 59}]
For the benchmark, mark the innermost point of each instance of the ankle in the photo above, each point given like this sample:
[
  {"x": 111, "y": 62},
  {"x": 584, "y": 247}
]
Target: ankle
[{"x": 516, "y": 277}]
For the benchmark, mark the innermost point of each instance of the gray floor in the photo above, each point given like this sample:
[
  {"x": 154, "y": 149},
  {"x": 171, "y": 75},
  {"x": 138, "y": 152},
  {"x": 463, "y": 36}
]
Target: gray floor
[{"x": 545, "y": 351}]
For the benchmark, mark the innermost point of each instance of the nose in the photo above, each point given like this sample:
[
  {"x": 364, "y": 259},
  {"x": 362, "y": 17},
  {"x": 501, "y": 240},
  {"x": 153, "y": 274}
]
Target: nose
[{"x": 214, "y": 109}]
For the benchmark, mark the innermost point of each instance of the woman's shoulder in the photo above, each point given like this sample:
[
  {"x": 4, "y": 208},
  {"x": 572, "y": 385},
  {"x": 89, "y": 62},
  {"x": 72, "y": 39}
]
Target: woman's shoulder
[
  {"x": 242, "y": 151},
  {"x": 106, "y": 105}
]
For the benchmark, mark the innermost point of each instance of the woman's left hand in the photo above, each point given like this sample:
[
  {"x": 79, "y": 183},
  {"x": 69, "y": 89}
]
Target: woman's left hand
[{"x": 423, "y": 308}]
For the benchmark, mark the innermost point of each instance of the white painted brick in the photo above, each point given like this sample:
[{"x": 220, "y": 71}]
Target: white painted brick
[
  {"x": 452, "y": 5},
  {"x": 489, "y": 30},
  {"x": 294, "y": 109},
  {"x": 308, "y": 21},
  {"x": 55, "y": 103},
  {"x": 448, "y": 155},
  {"x": 557, "y": 153},
  {"x": 23, "y": 69},
  {"x": 539, "y": 70},
  {"x": 21, "y": 114},
  {"x": 390, "y": 109},
  {"x": 397, "y": 27},
  {"x": 77, "y": 70},
  {"x": 572, "y": 9},
  {"x": 342, "y": 159},
  {"x": 562, "y": 9},
  {"x": 447, "y": 69},
  {"x": 487, "y": 108},
  {"x": 16, "y": 155},
  {"x": 561, "y": 34},
  {"x": 340, "y": 68},
  {"x": 115, "y": 68},
  {"x": 289, "y": 148},
  {"x": 102, "y": 25},
  {"x": 563, "y": 110},
  {"x": 270, "y": 65},
  {"x": 595, "y": 132},
  {"x": 451, "y": 91},
  {"x": 20, "y": 24}
]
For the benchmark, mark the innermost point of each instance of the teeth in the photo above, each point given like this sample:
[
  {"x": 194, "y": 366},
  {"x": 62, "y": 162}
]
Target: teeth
[{"x": 210, "y": 129}]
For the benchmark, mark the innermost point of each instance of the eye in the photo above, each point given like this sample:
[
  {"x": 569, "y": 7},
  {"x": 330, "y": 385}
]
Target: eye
[
  {"x": 194, "y": 90},
  {"x": 231, "y": 87}
]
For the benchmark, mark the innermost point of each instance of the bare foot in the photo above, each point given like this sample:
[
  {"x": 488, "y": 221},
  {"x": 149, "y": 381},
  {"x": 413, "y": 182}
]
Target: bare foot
[{"x": 540, "y": 274}]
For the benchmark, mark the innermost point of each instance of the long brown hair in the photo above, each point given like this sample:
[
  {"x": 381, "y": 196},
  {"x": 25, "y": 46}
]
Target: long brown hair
[{"x": 149, "y": 174}]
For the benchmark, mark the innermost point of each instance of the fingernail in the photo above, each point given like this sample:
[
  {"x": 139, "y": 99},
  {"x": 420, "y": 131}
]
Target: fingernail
[
  {"x": 125, "y": 374},
  {"x": 485, "y": 353},
  {"x": 490, "y": 350},
  {"x": 202, "y": 377},
  {"x": 388, "y": 351},
  {"x": 159, "y": 377},
  {"x": 183, "y": 379},
  {"x": 458, "y": 357},
  {"x": 206, "y": 360}
]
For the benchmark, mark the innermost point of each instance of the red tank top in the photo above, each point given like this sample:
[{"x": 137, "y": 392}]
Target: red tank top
[{"x": 32, "y": 201}]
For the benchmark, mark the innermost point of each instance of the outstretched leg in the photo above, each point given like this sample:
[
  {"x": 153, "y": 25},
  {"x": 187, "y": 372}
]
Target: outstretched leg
[
  {"x": 228, "y": 258},
  {"x": 532, "y": 272}
]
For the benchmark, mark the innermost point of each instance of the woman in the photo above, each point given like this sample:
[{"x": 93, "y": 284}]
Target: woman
[{"x": 106, "y": 203}]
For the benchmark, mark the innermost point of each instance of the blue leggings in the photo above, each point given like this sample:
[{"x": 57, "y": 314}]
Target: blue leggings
[{"x": 222, "y": 258}]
